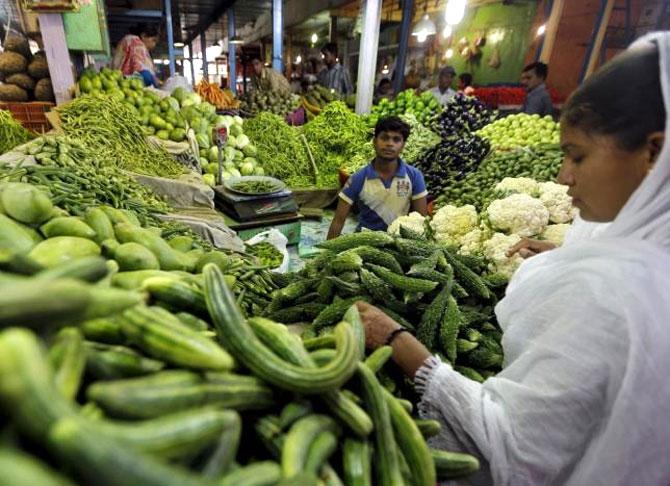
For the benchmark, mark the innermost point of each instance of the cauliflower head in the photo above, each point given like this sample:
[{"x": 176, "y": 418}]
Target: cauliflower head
[
  {"x": 555, "y": 198},
  {"x": 518, "y": 214},
  {"x": 471, "y": 242},
  {"x": 495, "y": 251},
  {"x": 520, "y": 185},
  {"x": 413, "y": 221},
  {"x": 555, "y": 233},
  {"x": 451, "y": 223}
]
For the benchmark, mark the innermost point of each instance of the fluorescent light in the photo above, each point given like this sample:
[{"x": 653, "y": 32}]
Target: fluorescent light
[
  {"x": 446, "y": 33},
  {"x": 298, "y": 59},
  {"x": 179, "y": 44},
  {"x": 449, "y": 54},
  {"x": 424, "y": 28},
  {"x": 236, "y": 40},
  {"x": 166, "y": 61},
  {"x": 541, "y": 29},
  {"x": 455, "y": 11},
  {"x": 314, "y": 38},
  {"x": 421, "y": 36}
]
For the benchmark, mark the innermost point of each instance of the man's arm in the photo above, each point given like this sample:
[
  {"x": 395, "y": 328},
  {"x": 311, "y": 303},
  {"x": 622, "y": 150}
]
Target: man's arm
[
  {"x": 420, "y": 206},
  {"x": 341, "y": 213}
]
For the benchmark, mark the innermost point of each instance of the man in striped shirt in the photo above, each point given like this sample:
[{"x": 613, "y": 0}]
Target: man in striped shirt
[
  {"x": 385, "y": 189},
  {"x": 334, "y": 76}
]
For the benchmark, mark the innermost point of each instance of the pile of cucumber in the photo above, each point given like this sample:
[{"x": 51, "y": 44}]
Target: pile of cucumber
[
  {"x": 424, "y": 286},
  {"x": 129, "y": 359}
]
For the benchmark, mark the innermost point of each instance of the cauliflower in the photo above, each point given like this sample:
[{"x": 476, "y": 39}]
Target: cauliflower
[
  {"x": 555, "y": 233},
  {"x": 495, "y": 251},
  {"x": 522, "y": 185},
  {"x": 519, "y": 214},
  {"x": 413, "y": 221},
  {"x": 555, "y": 198},
  {"x": 471, "y": 243},
  {"x": 450, "y": 223}
]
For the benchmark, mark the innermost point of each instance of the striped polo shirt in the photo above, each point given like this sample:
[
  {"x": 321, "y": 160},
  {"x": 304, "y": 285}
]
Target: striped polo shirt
[{"x": 381, "y": 202}]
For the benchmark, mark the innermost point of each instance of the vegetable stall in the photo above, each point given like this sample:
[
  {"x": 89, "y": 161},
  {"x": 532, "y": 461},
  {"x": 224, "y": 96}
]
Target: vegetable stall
[{"x": 134, "y": 350}]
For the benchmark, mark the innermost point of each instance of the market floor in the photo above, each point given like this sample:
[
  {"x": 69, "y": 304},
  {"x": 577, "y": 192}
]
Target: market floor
[{"x": 313, "y": 231}]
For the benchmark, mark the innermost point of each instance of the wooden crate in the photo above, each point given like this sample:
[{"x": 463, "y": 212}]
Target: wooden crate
[{"x": 32, "y": 115}]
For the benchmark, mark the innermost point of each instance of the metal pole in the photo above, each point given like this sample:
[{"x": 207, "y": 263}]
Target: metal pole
[
  {"x": 547, "y": 14},
  {"x": 170, "y": 35},
  {"x": 232, "y": 61},
  {"x": 190, "y": 61},
  {"x": 405, "y": 26},
  {"x": 367, "y": 60},
  {"x": 277, "y": 28},
  {"x": 551, "y": 30},
  {"x": 203, "y": 51},
  {"x": 597, "y": 36}
]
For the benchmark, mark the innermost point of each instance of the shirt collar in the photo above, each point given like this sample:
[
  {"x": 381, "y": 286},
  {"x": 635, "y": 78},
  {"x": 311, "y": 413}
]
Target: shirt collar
[
  {"x": 401, "y": 171},
  {"x": 539, "y": 87}
]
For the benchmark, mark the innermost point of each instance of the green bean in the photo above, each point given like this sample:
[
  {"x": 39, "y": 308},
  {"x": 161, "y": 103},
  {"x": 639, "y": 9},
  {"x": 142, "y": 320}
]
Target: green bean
[{"x": 12, "y": 134}]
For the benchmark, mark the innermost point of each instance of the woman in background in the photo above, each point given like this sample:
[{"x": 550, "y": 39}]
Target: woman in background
[{"x": 133, "y": 53}]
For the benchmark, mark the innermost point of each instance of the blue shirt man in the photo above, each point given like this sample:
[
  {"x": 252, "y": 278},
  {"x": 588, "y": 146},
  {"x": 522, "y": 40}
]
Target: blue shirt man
[
  {"x": 538, "y": 100},
  {"x": 386, "y": 188}
]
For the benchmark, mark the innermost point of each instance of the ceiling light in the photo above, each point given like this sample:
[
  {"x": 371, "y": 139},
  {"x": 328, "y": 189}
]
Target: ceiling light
[
  {"x": 541, "y": 30},
  {"x": 298, "y": 59},
  {"x": 449, "y": 54},
  {"x": 424, "y": 28},
  {"x": 446, "y": 33},
  {"x": 421, "y": 36},
  {"x": 314, "y": 38},
  {"x": 166, "y": 61},
  {"x": 236, "y": 40},
  {"x": 179, "y": 44},
  {"x": 455, "y": 11}
]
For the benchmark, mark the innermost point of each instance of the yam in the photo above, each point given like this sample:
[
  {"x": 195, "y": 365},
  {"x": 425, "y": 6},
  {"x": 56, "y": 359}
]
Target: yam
[
  {"x": 22, "y": 80},
  {"x": 44, "y": 90},
  {"x": 11, "y": 92},
  {"x": 38, "y": 68},
  {"x": 11, "y": 63},
  {"x": 19, "y": 44}
]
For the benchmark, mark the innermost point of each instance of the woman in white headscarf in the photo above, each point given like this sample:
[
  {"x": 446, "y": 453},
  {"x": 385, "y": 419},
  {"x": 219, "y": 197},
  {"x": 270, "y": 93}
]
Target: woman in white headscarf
[{"x": 584, "y": 396}]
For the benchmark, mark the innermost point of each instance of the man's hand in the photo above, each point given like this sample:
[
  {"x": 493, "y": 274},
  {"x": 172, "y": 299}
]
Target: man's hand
[
  {"x": 378, "y": 326},
  {"x": 527, "y": 248}
]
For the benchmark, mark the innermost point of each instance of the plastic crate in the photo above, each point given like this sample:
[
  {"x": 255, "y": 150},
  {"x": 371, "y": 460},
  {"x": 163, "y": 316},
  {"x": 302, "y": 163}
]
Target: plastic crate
[{"x": 32, "y": 115}]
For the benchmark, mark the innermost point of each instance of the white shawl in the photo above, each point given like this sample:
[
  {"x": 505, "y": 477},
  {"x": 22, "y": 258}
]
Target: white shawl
[{"x": 584, "y": 396}]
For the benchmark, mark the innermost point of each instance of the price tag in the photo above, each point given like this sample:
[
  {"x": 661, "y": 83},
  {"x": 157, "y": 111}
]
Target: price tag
[{"x": 221, "y": 136}]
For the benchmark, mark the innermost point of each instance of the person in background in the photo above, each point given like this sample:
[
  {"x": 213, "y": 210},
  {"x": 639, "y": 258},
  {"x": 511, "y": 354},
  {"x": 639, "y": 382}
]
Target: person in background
[
  {"x": 465, "y": 84},
  {"x": 582, "y": 398},
  {"x": 267, "y": 79},
  {"x": 384, "y": 90},
  {"x": 133, "y": 53},
  {"x": 443, "y": 91},
  {"x": 334, "y": 76},
  {"x": 385, "y": 189},
  {"x": 538, "y": 100}
]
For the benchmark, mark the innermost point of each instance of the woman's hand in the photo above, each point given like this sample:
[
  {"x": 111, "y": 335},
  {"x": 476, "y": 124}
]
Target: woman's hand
[
  {"x": 408, "y": 352},
  {"x": 378, "y": 326},
  {"x": 527, "y": 248}
]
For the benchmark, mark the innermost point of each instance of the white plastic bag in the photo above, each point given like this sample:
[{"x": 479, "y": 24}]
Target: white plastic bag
[{"x": 279, "y": 241}]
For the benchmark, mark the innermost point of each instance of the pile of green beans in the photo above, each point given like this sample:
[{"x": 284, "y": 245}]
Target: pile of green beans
[
  {"x": 12, "y": 134},
  {"x": 77, "y": 179},
  {"x": 266, "y": 253},
  {"x": 255, "y": 186},
  {"x": 113, "y": 132}
]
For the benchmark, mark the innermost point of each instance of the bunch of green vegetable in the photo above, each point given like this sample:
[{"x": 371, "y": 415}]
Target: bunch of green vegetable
[
  {"x": 420, "y": 139},
  {"x": 12, "y": 134},
  {"x": 182, "y": 388},
  {"x": 336, "y": 136},
  {"x": 424, "y": 106},
  {"x": 76, "y": 178},
  {"x": 276, "y": 102},
  {"x": 266, "y": 253},
  {"x": 540, "y": 162},
  {"x": 422, "y": 284},
  {"x": 520, "y": 130},
  {"x": 109, "y": 128},
  {"x": 280, "y": 149}
]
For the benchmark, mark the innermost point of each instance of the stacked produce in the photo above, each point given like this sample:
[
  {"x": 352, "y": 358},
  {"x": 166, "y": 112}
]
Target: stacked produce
[
  {"x": 222, "y": 99},
  {"x": 463, "y": 114},
  {"x": 451, "y": 160},
  {"x": 317, "y": 97},
  {"x": 112, "y": 386},
  {"x": 276, "y": 102},
  {"x": 424, "y": 107},
  {"x": 336, "y": 137},
  {"x": 266, "y": 253},
  {"x": 541, "y": 162},
  {"x": 280, "y": 150},
  {"x": 422, "y": 284},
  {"x": 24, "y": 77},
  {"x": 239, "y": 154},
  {"x": 12, "y": 134},
  {"x": 77, "y": 179},
  {"x": 113, "y": 132},
  {"x": 521, "y": 130},
  {"x": 420, "y": 139}
]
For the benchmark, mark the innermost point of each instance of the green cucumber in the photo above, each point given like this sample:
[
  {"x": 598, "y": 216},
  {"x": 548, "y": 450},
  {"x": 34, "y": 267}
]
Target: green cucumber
[
  {"x": 68, "y": 357},
  {"x": 378, "y": 358},
  {"x": 168, "y": 258},
  {"x": 453, "y": 465},
  {"x": 58, "y": 250},
  {"x": 223, "y": 456},
  {"x": 133, "y": 256},
  {"x": 293, "y": 412},
  {"x": 178, "y": 294},
  {"x": 13, "y": 237},
  {"x": 88, "y": 269},
  {"x": 320, "y": 342},
  {"x": 300, "y": 439},
  {"x": 356, "y": 457},
  {"x": 238, "y": 337},
  {"x": 108, "y": 362},
  {"x": 103, "y": 330},
  {"x": 428, "y": 428},
  {"x": 100, "y": 223},
  {"x": 67, "y": 226},
  {"x": 264, "y": 473},
  {"x": 25, "y": 203},
  {"x": 20, "y": 469},
  {"x": 134, "y": 280},
  {"x": 319, "y": 451}
]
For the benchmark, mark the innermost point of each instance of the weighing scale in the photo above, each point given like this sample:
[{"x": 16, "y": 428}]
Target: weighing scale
[{"x": 270, "y": 207}]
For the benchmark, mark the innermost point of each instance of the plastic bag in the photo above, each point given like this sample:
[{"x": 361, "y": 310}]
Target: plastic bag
[{"x": 279, "y": 241}]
